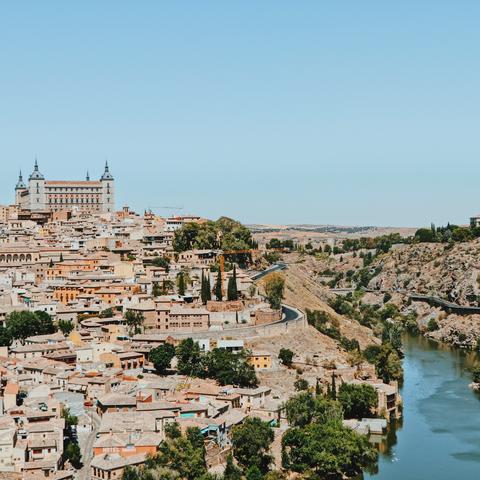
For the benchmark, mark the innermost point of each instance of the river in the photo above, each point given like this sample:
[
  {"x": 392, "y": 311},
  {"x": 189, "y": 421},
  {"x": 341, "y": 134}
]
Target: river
[{"x": 439, "y": 437}]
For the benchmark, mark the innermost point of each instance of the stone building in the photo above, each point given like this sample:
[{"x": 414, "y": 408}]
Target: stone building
[{"x": 90, "y": 196}]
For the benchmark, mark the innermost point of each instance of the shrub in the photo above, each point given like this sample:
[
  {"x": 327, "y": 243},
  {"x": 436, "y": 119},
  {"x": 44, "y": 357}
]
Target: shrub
[{"x": 432, "y": 325}]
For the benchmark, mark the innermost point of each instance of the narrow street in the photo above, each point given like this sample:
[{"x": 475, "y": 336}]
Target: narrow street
[{"x": 86, "y": 441}]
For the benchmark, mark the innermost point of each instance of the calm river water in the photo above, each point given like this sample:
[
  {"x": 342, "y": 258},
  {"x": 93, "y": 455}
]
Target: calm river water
[{"x": 440, "y": 433}]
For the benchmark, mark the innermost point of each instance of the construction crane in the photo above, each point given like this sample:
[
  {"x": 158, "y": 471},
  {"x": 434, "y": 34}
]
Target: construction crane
[{"x": 174, "y": 209}]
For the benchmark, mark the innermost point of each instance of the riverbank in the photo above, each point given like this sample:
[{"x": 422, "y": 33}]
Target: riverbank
[{"x": 439, "y": 435}]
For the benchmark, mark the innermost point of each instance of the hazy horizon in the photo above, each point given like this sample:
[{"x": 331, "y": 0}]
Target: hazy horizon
[{"x": 341, "y": 113}]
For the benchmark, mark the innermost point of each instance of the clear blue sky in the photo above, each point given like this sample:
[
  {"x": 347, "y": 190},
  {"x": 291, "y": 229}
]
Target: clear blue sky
[{"x": 345, "y": 112}]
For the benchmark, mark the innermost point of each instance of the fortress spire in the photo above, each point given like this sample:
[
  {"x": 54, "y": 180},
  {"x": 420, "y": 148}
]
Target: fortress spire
[
  {"x": 106, "y": 174},
  {"x": 36, "y": 175},
  {"x": 20, "y": 185}
]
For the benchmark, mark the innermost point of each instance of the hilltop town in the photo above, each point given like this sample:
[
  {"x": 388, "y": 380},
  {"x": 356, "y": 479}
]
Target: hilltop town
[{"x": 116, "y": 327}]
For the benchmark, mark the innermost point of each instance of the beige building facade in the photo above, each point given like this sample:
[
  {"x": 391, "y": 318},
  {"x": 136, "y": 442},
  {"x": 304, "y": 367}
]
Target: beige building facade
[{"x": 87, "y": 195}]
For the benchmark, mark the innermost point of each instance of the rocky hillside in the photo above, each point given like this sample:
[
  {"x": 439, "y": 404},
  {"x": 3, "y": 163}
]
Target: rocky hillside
[
  {"x": 446, "y": 271},
  {"x": 302, "y": 290},
  {"x": 450, "y": 272}
]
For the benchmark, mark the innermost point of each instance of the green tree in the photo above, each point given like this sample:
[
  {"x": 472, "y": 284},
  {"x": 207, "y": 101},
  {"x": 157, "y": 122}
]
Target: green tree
[
  {"x": 185, "y": 237},
  {"x": 195, "y": 437},
  {"x": 326, "y": 450},
  {"x": 156, "y": 290},
  {"x": 432, "y": 325},
  {"x": 392, "y": 334},
  {"x": 224, "y": 233},
  {"x": 232, "y": 291},
  {"x": 387, "y": 363},
  {"x": 424, "y": 235},
  {"x": 229, "y": 368},
  {"x": 232, "y": 472},
  {"x": 161, "y": 262},
  {"x": 70, "y": 420},
  {"x": 218, "y": 287},
  {"x": 107, "y": 313},
  {"x": 300, "y": 384},
  {"x": 181, "y": 284},
  {"x": 285, "y": 355},
  {"x": 130, "y": 473},
  {"x": 274, "y": 284},
  {"x": 251, "y": 442},
  {"x": 357, "y": 400},
  {"x": 182, "y": 454},
  {"x": 305, "y": 408},
  {"x": 172, "y": 430},
  {"x": 189, "y": 358},
  {"x": 134, "y": 321},
  {"x": 205, "y": 292},
  {"x": 208, "y": 287},
  {"x": 167, "y": 287},
  {"x": 23, "y": 324},
  {"x": 5, "y": 337},
  {"x": 253, "y": 473},
  {"x": 333, "y": 387},
  {"x": 65, "y": 326},
  {"x": 161, "y": 357},
  {"x": 73, "y": 454}
]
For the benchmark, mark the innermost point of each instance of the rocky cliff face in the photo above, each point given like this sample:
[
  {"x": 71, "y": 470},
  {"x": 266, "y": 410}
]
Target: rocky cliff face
[
  {"x": 446, "y": 271},
  {"x": 449, "y": 272}
]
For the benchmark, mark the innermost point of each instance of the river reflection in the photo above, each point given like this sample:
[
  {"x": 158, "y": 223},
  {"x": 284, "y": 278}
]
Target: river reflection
[{"x": 439, "y": 435}]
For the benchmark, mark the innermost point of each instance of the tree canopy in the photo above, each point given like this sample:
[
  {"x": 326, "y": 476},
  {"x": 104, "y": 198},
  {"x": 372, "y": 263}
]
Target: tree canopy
[
  {"x": 161, "y": 262},
  {"x": 225, "y": 234},
  {"x": 274, "y": 284},
  {"x": 134, "y": 321},
  {"x": 161, "y": 357},
  {"x": 23, "y": 324},
  {"x": 251, "y": 442},
  {"x": 285, "y": 355},
  {"x": 232, "y": 289},
  {"x": 318, "y": 445},
  {"x": 189, "y": 358},
  {"x": 357, "y": 400},
  {"x": 326, "y": 450}
]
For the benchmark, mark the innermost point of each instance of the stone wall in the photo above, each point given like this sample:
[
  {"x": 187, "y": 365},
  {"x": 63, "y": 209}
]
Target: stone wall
[{"x": 267, "y": 316}]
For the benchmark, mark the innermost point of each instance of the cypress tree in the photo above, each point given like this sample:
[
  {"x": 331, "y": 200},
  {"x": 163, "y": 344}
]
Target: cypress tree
[
  {"x": 181, "y": 284},
  {"x": 218, "y": 287},
  {"x": 156, "y": 290},
  {"x": 208, "y": 288},
  {"x": 205, "y": 289},
  {"x": 232, "y": 293},
  {"x": 334, "y": 388},
  {"x": 318, "y": 390}
]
